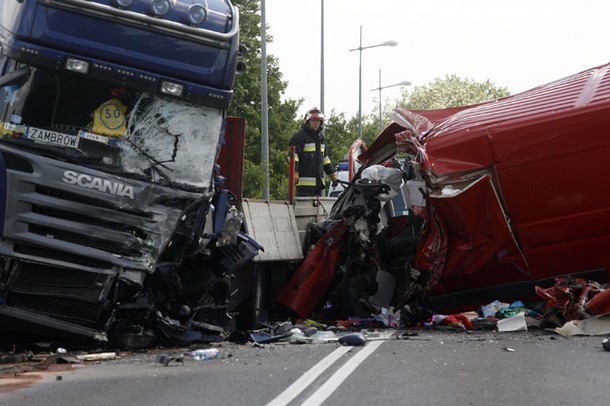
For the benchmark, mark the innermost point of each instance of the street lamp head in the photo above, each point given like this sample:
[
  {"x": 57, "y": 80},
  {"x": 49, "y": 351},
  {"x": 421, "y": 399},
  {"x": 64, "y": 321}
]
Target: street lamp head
[
  {"x": 380, "y": 88},
  {"x": 390, "y": 43},
  {"x": 403, "y": 83}
]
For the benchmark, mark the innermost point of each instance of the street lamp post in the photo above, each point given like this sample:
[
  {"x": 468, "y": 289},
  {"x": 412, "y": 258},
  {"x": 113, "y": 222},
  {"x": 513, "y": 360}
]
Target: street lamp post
[
  {"x": 264, "y": 100},
  {"x": 322, "y": 55},
  {"x": 359, "y": 49},
  {"x": 403, "y": 83}
]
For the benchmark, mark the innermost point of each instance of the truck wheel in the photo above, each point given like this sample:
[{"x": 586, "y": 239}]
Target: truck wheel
[{"x": 252, "y": 313}]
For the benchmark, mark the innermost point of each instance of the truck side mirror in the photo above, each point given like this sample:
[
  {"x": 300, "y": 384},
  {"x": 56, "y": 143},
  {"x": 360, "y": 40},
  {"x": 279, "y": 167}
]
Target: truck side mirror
[{"x": 241, "y": 65}]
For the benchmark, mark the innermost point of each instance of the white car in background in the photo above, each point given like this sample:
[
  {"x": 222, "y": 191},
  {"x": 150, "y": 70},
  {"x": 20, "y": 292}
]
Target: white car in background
[{"x": 343, "y": 176}]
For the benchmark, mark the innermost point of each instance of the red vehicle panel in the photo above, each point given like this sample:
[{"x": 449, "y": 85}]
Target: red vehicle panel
[{"x": 518, "y": 187}]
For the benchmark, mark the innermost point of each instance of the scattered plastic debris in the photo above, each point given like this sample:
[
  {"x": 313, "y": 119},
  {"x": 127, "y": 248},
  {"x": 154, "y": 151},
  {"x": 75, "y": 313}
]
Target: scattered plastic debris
[
  {"x": 166, "y": 359},
  {"x": 514, "y": 323},
  {"x": 459, "y": 321},
  {"x": 264, "y": 337},
  {"x": 313, "y": 323},
  {"x": 492, "y": 308},
  {"x": 102, "y": 356},
  {"x": 309, "y": 331},
  {"x": 592, "y": 326},
  {"x": 353, "y": 339},
  {"x": 298, "y": 337},
  {"x": 206, "y": 353}
]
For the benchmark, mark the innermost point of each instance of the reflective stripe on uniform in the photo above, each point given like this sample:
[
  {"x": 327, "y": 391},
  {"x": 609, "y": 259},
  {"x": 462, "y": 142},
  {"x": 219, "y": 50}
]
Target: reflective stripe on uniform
[
  {"x": 311, "y": 147},
  {"x": 306, "y": 181},
  {"x": 325, "y": 160}
]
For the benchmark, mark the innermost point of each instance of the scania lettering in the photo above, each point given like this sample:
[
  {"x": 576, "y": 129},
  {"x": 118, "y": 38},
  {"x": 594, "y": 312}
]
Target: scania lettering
[
  {"x": 101, "y": 185},
  {"x": 112, "y": 202}
]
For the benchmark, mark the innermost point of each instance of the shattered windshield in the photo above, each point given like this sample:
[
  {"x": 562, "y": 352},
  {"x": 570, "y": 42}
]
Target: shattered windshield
[{"x": 111, "y": 128}]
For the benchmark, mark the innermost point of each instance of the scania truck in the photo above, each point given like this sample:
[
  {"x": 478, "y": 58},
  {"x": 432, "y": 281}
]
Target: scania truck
[{"x": 114, "y": 223}]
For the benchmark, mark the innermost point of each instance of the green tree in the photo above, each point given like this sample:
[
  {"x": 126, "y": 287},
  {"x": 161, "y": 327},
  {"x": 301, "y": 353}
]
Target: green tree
[
  {"x": 452, "y": 91},
  {"x": 338, "y": 136},
  {"x": 341, "y": 132},
  {"x": 246, "y": 103}
]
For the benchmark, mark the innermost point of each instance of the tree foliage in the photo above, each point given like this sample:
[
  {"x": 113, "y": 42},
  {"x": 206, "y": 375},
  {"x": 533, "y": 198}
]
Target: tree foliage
[
  {"x": 247, "y": 103},
  {"x": 341, "y": 132},
  {"x": 451, "y": 91}
]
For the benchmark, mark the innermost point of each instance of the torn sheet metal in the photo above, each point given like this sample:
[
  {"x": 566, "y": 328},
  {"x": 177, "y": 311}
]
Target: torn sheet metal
[
  {"x": 571, "y": 297},
  {"x": 475, "y": 247},
  {"x": 306, "y": 288},
  {"x": 600, "y": 303}
]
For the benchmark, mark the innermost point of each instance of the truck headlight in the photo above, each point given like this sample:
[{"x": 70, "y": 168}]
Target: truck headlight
[
  {"x": 196, "y": 14},
  {"x": 159, "y": 7},
  {"x": 77, "y": 65},
  {"x": 171, "y": 88},
  {"x": 123, "y": 3}
]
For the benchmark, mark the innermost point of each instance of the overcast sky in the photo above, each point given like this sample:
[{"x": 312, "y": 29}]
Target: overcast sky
[{"x": 518, "y": 44}]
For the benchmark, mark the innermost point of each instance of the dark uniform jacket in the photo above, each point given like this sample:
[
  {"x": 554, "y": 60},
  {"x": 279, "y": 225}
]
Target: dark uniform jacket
[{"x": 311, "y": 160}]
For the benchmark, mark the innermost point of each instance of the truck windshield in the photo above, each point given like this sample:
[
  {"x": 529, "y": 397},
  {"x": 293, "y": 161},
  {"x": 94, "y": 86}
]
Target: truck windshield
[{"x": 111, "y": 128}]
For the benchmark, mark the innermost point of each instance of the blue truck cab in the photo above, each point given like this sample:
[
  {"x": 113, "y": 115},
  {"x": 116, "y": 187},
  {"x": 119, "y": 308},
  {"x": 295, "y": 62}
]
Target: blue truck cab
[{"x": 112, "y": 116}]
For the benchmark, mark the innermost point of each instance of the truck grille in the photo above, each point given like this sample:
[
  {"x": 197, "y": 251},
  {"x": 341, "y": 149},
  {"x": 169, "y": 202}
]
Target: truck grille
[
  {"x": 115, "y": 247},
  {"x": 48, "y": 219},
  {"x": 59, "y": 292},
  {"x": 55, "y": 255}
]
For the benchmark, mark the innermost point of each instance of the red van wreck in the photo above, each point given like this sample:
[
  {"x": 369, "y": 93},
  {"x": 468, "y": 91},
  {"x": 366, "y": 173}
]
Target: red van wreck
[
  {"x": 515, "y": 195},
  {"x": 517, "y": 188}
]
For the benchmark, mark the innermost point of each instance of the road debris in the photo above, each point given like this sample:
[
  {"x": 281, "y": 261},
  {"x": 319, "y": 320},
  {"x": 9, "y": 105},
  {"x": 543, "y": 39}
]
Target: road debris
[
  {"x": 513, "y": 323},
  {"x": 353, "y": 339},
  {"x": 103, "y": 356},
  {"x": 166, "y": 359},
  {"x": 206, "y": 353}
]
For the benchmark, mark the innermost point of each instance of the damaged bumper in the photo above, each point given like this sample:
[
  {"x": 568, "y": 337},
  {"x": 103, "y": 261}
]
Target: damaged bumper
[{"x": 86, "y": 263}]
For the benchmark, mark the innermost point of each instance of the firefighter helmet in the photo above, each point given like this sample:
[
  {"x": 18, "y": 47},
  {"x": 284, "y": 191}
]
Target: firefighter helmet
[{"x": 314, "y": 114}]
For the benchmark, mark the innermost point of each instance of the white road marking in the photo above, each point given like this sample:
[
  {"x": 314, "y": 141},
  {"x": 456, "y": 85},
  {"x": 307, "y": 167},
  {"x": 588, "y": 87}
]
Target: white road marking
[
  {"x": 332, "y": 383},
  {"x": 341, "y": 375},
  {"x": 308, "y": 377}
]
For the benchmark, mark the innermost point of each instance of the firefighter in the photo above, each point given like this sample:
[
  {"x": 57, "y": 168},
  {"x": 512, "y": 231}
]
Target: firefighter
[{"x": 311, "y": 159}]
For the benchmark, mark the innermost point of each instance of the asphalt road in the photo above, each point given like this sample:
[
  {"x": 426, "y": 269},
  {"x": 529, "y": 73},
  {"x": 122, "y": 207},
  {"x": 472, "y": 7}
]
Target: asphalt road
[{"x": 430, "y": 368}]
